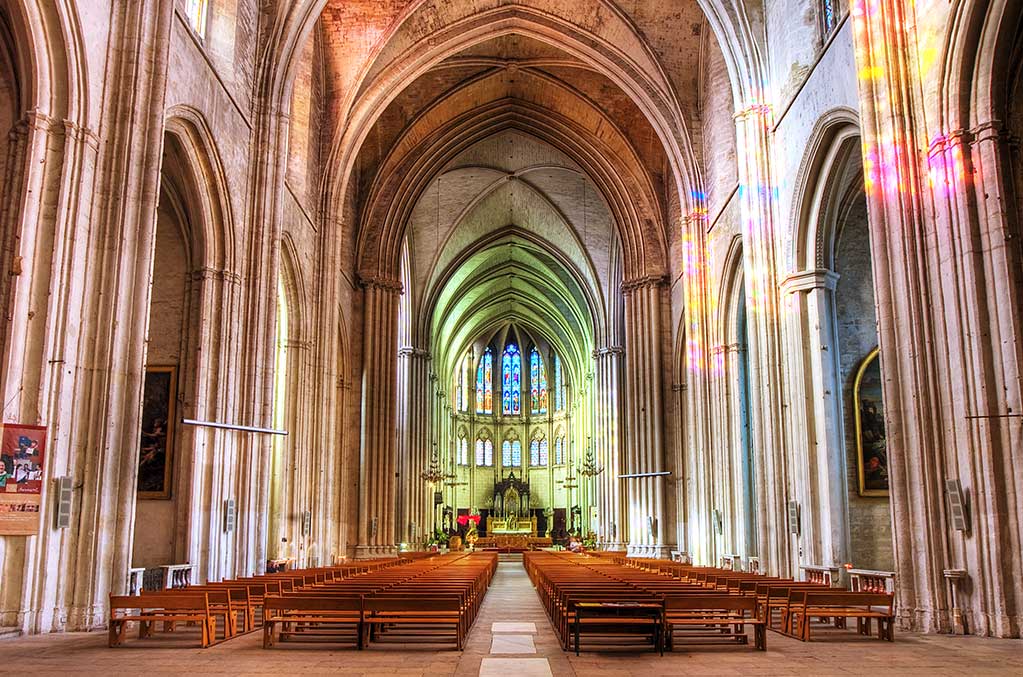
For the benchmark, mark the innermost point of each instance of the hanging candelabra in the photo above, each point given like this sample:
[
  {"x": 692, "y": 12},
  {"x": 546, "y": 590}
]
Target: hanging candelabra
[
  {"x": 590, "y": 467},
  {"x": 433, "y": 474}
]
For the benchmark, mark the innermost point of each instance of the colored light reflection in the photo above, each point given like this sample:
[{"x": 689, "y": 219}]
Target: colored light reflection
[
  {"x": 694, "y": 268},
  {"x": 757, "y": 195}
]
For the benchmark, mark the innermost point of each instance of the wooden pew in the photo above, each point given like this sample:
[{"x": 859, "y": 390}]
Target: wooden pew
[
  {"x": 863, "y": 606},
  {"x": 307, "y": 618},
  {"x": 707, "y": 616},
  {"x": 414, "y": 618},
  {"x": 169, "y": 608},
  {"x": 613, "y": 620}
]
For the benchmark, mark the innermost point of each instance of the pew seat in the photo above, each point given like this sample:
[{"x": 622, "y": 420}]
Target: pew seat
[{"x": 713, "y": 617}]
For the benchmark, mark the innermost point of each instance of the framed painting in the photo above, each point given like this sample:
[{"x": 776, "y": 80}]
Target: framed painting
[
  {"x": 156, "y": 446},
  {"x": 871, "y": 442},
  {"x": 22, "y": 463}
]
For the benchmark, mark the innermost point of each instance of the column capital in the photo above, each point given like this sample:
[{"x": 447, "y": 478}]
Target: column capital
[
  {"x": 413, "y": 351},
  {"x": 608, "y": 350},
  {"x": 635, "y": 283},
  {"x": 808, "y": 280},
  {"x": 724, "y": 349},
  {"x": 207, "y": 273},
  {"x": 374, "y": 281},
  {"x": 754, "y": 110}
]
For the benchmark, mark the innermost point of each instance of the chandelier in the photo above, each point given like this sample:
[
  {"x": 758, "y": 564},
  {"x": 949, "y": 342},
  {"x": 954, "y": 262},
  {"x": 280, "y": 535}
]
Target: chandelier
[
  {"x": 433, "y": 474},
  {"x": 590, "y": 466}
]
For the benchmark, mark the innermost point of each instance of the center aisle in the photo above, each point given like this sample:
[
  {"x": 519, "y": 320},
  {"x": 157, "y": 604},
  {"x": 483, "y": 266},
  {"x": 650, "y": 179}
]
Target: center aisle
[{"x": 507, "y": 648}]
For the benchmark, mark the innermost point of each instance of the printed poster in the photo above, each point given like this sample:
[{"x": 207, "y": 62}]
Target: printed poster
[{"x": 22, "y": 452}]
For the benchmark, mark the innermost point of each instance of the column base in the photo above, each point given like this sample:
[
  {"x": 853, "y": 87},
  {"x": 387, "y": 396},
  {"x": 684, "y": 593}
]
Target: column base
[
  {"x": 611, "y": 545},
  {"x": 649, "y": 551},
  {"x": 375, "y": 551}
]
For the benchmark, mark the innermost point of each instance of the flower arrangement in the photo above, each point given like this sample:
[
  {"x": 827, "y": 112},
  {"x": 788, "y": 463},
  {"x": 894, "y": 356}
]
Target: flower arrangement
[{"x": 469, "y": 523}]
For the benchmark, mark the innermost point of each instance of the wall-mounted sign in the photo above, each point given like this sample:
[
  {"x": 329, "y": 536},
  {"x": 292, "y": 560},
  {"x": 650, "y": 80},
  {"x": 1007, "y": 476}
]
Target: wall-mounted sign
[{"x": 22, "y": 453}]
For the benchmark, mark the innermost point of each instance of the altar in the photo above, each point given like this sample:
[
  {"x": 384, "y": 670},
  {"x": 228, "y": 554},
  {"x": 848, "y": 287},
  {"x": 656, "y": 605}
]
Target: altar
[
  {"x": 511, "y": 509},
  {"x": 511, "y": 526}
]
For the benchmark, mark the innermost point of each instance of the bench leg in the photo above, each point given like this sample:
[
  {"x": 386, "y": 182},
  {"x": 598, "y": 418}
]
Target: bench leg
[
  {"x": 268, "y": 634},
  {"x": 116, "y": 633},
  {"x": 886, "y": 629},
  {"x": 760, "y": 637}
]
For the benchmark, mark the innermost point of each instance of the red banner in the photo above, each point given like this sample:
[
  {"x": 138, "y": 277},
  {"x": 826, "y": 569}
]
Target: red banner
[{"x": 22, "y": 450}]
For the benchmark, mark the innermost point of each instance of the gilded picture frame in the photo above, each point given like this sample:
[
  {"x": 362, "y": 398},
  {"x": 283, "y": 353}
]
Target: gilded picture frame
[
  {"x": 871, "y": 440},
  {"x": 156, "y": 443}
]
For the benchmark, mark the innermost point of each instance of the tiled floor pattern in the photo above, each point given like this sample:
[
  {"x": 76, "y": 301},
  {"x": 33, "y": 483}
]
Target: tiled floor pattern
[{"x": 510, "y": 607}]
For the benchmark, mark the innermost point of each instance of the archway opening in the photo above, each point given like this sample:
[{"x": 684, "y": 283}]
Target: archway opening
[
  {"x": 869, "y": 508},
  {"x": 163, "y": 486}
]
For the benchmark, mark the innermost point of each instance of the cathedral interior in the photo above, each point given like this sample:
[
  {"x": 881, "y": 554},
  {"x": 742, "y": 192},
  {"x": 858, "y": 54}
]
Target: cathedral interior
[{"x": 292, "y": 284}]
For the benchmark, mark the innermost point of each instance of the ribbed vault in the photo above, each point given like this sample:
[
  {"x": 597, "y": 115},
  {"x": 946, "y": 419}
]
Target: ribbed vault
[{"x": 511, "y": 282}]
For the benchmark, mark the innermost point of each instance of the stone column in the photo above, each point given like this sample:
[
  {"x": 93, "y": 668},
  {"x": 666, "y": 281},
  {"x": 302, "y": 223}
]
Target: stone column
[
  {"x": 414, "y": 420},
  {"x": 378, "y": 458},
  {"x": 644, "y": 429},
  {"x": 815, "y": 416},
  {"x": 756, "y": 201},
  {"x": 607, "y": 442},
  {"x": 697, "y": 393},
  {"x": 944, "y": 245},
  {"x": 724, "y": 483}
]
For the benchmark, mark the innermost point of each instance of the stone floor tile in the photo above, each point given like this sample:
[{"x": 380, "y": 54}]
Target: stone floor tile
[
  {"x": 520, "y": 667},
  {"x": 513, "y": 627},
  {"x": 512, "y": 644}
]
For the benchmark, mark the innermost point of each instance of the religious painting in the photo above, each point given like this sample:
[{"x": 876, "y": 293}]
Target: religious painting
[
  {"x": 156, "y": 446},
  {"x": 22, "y": 454},
  {"x": 871, "y": 442}
]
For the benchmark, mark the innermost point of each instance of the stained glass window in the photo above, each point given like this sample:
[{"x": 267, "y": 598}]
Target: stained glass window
[
  {"x": 829, "y": 15},
  {"x": 463, "y": 449},
  {"x": 559, "y": 450},
  {"x": 462, "y": 385},
  {"x": 485, "y": 384},
  {"x": 511, "y": 383},
  {"x": 559, "y": 386},
  {"x": 538, "y": 451},
  {"x": 196, "y": 12},
  {"x": 484, "y": 451},
  {"x": 537, "y": 383},
  {"x": 511, "y": 454}
]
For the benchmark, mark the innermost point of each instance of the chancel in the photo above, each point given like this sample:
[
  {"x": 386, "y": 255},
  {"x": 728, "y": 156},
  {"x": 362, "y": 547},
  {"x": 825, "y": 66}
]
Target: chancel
[{"x": 496, "y": 336}]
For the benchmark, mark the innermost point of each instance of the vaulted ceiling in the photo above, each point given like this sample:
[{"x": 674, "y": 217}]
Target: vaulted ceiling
[{"x": 524, "y": 156}]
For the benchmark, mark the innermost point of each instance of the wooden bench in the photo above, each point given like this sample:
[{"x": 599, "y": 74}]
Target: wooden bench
[
  {"x": 169, "y": 608},
  {"x": 863, "y": 606},
  {"x": 415, "y": 618},
  {"x": 308, "y": 618},
  {"x": 709, "y": 615},
  {"x": 620, "y": 618}
]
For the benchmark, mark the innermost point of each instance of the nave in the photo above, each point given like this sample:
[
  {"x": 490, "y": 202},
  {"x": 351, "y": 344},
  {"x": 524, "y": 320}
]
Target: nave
[
  {"x": 513, "y": 636},
  {"x": 732, "y": 283}
]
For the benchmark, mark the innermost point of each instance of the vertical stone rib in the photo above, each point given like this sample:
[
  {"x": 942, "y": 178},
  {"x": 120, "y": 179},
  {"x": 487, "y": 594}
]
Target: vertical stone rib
[
  {"x": 645, "y": 401},
  {"x": 378, "y": 458}
]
